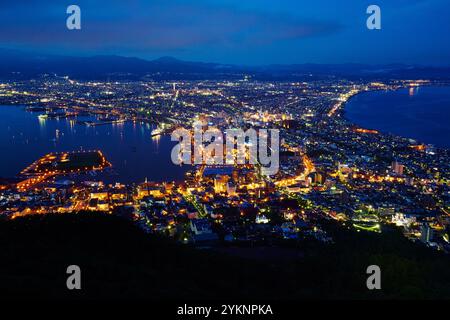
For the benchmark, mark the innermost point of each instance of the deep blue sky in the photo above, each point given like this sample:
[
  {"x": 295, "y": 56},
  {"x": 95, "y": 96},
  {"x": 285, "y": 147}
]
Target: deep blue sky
[{"x": 235, "y": 31}]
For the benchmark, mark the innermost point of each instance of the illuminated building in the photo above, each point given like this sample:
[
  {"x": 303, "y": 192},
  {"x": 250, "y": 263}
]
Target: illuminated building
[
  {"x": 397, "y": 167},
  {"x": 231, "y": 189},
  {"x": 220, "y": 183},
  {"x": 426, "y": 233},
  {"x": 317, "y": 178}
]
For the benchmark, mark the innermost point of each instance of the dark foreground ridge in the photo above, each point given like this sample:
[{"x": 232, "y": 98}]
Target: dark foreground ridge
[{"x": 118, "y": 260}]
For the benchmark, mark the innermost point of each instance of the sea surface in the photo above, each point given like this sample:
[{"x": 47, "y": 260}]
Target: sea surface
[
  {"x": 134, "y": 154},
  {"x": 421, "y": 113}
]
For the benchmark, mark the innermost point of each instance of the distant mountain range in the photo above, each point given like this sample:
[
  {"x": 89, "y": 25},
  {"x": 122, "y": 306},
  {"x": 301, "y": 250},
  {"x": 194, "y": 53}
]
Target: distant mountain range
[{"x": 16, "y": 64}]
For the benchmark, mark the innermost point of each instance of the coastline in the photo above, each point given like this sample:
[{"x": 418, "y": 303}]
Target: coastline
[
  {"x": 344, "y": 113},
  {"x": 28, "y": 139}
]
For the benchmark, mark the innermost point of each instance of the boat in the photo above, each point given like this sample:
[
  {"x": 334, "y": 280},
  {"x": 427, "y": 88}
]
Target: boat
[{"x": 157, "y": 132}]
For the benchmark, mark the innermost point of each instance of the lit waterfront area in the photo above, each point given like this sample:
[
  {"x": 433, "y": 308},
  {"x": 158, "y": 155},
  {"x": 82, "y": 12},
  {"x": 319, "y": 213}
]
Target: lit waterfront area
[
  {"x": 330, "y": 169},
  {"x": 129, "y": 145},
  {"x": 412, "y": 112}
]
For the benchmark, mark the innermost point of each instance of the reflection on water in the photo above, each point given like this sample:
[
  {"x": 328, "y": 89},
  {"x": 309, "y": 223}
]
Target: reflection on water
[
  {"x": 129, "y": 146},
  {"x": 418, "y": 112}
]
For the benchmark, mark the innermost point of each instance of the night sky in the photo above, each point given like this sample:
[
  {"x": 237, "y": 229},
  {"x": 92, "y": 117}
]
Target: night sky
[{"x": 235, "y": 31}]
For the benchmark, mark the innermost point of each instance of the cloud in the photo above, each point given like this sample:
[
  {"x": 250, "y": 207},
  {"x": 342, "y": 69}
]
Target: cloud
[{"x": 159, "y": 25}]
